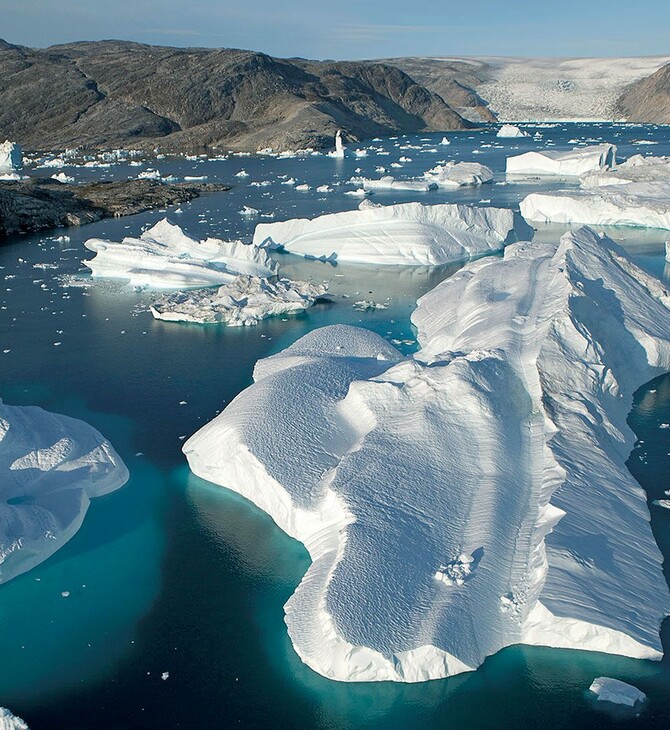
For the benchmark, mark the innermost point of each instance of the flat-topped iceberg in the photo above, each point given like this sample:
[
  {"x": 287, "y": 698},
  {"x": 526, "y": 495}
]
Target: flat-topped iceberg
[
  {"x": 474, "y": 495},
  {"x": 634, "y": 170},
  {"x": 11, "y": 156},
  {"x": 405, "y": 234},
  {"x": 51, "y": 466},
  {"x": 633, "y": 204},
  {"x": 388, "y": 182},
  {"x": 607, "y": 689},
  {"x": 573, "y": 163},
  {"x": 166, "y": 257},
  {"x": 459, "y": 174},
  {"x": 245, "y": 301},
  {"x": 511, "y": 131}
]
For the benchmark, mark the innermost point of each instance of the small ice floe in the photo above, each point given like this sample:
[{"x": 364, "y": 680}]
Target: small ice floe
[
  {"x": 304, "y": 187},
  {"x": 61, "y": 177},
  {"x": 149, "y": 175},
  {"x": 248, "y": 210},
  {"x": 289, "y": 181},
  {"x": 366, "y": 304},
  {"x": 358, "y": 193},
  {"x": 445, "y": 141},
  {"x": 665, "y": 503},
  {"x": 607, "y": 689},
  {"x": 324, "y": 189},
  {"x": 165, "y": 675},
  {"x": 242, "y": 173}
]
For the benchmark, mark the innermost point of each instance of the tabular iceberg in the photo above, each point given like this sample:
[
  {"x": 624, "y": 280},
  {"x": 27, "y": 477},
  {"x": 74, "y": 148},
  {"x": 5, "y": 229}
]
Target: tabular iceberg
[
  {"x": 511, "y": 131},
  {"x": 388, "y": 182},
  {"x": 405, "y": 234},
  {"x": 166, "y": 257},
  {"x": 607, "y": 689},
  {"x": 51, "y": 466},
  {"x": 573, "y": 163},
  {"x": 634, "y": 170},
  {"x": 458, "y": 174},
  {"x": 474, "y": 495},
  {"x": 243, "y": 302},
  {"x": 633, "y": 204}
]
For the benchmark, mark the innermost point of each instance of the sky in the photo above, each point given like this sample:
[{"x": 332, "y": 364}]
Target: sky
[{"x": 348, "y": 29}]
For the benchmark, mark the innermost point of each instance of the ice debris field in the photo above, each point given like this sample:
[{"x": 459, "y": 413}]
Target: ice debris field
[{"x": 454, "y": 500}]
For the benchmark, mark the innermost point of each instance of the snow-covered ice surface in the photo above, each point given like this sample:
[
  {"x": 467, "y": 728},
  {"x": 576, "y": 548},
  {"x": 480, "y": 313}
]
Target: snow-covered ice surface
[
  {"x": 9, "y": 721},
  {"x": 166, "y": 257},
  {"x": 634, "y": 204},
  {"x": 11, "y": 156},
  {"x": 634, "y": 170},
  {"x": 405, "y": 234},
  {"x": 550, "y": 89},
  {"x": 474, "y": 495},
  {"x": 244, "y": 302},
  {"x": 608, "y": 689},
  {"x": 51, "y": 466},
  {"x": 457, "y": 174},
  {"x": 573, "y": 163},
  {"x": 388, "y": 182}
]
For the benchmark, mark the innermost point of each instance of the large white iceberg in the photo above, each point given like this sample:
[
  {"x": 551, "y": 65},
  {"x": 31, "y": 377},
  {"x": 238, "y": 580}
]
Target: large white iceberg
[
  {"x": 458, "y": 174},
  {"x": 511, "y": 131},
  {"x": 11, "y": 156},
  {"x": 632, "y": 204},
  {"x": 636, "y": 169},
  {"x": 607, "y": 689},
  {"x": 573, "y": 163},
  {"x": 51, "y": 466},
  {"x": 405, "y": 234},
  {"x": 166, "y": 257},
  {"x": 476, "y": 494},
  {"x": 9, "y": 721},
  {"x": 243, "y": 302}
]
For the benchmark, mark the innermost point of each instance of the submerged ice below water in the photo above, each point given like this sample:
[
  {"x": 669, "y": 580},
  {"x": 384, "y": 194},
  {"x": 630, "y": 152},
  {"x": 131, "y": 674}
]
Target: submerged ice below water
[{"x": 171, "y": 574}]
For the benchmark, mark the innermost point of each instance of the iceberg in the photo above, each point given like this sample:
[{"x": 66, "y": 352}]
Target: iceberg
[
  {"x": 166, "y": 257},
  {"x": 458, "y": 174},
  {"x": 511, "y": 131},
  {"x": 404, "y": 234},
  {"x": 11, "y": 156},
  {"x": 573, "y": 163},
  {"x": 471, "y": 496},
  {"x": 607, "y": 689},
  {"x": 51, "y": 466},
  {"x": 388, "y": 182},
  {"x": 244, "y": 302},
  {"x": 339, "y": 146},
  {"x": 636, "y": 169},
  {"x": 9, "y": 721},
  {"x": 633, "y": 204}
]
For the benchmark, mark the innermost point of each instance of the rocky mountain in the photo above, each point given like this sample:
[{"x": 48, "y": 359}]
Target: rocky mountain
[
  {"x": 648, "y": 100},
  {"x": 116, "y": 93}
]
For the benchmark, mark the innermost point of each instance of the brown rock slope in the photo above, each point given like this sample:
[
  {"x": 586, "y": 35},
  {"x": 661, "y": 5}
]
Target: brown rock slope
[{"x": 648, "y": 100}]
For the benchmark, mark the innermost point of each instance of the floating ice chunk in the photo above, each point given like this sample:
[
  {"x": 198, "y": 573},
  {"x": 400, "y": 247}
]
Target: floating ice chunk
[
  {"x": 634, "y": 170},
  {"x": 11, "y": 156},
  {"x": 166, "y": 257},
  {"x": 607, "y": 689},
  {"x": 242, "y": 173},
  {"x": 244, "y": 302},
  {"x": 665, "y": 503},
  {"x": 634, "y": 204},
  {"x": 390, "y": 183},
  {"x": 473, "y": 459},
  {"x": 358, "y": 193},
  {"x": 8, "y": 721},
  {"x": 51, "y": 466},
  {"x": 339, "y": 146},
  {"x": 304, "y": 187},
  {"x": 445, "y": 141},
  {"x": 248, "y": 210},
  {"x": 511, "y": 131},
  {"x": 149, "y": 175},
  {"x": 324, "y": 189},
  {"x": 569, "y": 164},
  {"x": 457, "y": 174},
  {"x": 63, "y": 178},
  {"x": 409, "y": 233}
]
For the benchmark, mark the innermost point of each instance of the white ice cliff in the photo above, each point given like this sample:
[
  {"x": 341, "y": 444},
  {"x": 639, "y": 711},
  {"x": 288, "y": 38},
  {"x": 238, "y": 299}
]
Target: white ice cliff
[
  {"x": 474, "y": 495},
  {"x": 578, "y": 161},
  {"x": 243, "y": 302},
  {"x": 511, "y": 131},
  {"x": 11, "y": 157},
  {"x": 166, "y": 257},
  {"x": 51, "y": 466},
  {"x": 404, "y": 234}
]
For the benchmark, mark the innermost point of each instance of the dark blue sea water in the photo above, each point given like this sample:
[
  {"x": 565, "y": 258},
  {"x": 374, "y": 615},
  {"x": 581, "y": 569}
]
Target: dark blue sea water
[{"x": 172, "y": 574}]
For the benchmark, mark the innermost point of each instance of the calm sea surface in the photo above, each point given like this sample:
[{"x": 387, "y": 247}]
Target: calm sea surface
[{"x": 172, "y": 574}]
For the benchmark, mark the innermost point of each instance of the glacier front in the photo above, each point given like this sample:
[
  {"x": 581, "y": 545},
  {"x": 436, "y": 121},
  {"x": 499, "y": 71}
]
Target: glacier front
[
  {"x": 51, "y": 466},
  {"x": 402, "y": 234},
  {"x": 473, "y": 495}
]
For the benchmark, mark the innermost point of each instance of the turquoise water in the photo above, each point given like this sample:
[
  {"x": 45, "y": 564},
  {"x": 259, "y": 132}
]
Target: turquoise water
[{"x": 171, "y": 574}]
